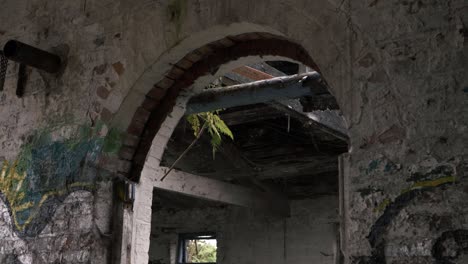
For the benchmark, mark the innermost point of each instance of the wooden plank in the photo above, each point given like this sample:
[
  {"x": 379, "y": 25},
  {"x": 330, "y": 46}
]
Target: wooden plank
[
  {"x": 281, "y": 169},
  {"x": 266, "y": 68},
  {"x": 293, "y": 168},
  {"x": 310, "y": 122},
  {"x": 252, "y": 74},
  {"x": 216, "y": 190}
]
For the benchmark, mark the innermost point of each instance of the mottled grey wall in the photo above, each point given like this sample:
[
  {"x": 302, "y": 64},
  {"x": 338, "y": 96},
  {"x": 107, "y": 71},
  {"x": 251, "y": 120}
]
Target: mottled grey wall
[
  {"x": 406, "y": 176},
  {"x": 245, "y": 236},
  {"x": 397, "y": 68}
]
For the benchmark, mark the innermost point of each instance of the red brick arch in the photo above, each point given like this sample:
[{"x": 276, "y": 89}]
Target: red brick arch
[{"x": 160, "y": 100}]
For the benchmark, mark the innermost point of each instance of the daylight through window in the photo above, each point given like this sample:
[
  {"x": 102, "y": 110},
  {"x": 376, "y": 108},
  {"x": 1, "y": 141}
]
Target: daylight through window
[{"x": 197, "y": 248}]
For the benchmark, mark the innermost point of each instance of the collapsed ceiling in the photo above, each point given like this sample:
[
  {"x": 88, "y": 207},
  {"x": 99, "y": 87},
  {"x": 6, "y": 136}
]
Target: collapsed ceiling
[{"x": 276, "y": 146}]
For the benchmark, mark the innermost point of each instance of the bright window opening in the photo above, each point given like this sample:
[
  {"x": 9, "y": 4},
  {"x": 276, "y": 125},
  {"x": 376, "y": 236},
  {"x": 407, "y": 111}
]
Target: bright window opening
[{"x": 197, "y": 248}]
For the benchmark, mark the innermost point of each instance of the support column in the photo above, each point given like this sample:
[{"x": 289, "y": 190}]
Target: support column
[{"x": 139, "y": 221}]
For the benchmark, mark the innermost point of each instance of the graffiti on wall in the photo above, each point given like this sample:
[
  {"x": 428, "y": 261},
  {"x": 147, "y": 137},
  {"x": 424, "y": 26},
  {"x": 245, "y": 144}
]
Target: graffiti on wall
[
  {"x": 46, "y": 171},
  {"x": 420, "y": 184}
]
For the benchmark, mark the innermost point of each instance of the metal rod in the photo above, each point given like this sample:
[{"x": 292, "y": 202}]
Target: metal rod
[{"x": 31, "y": 56}]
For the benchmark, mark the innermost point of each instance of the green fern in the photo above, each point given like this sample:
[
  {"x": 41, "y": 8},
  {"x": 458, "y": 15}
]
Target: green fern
[
  {"x": 211, "y": 122},
  {"x": 194, "y": 121},
  {"x": 215, "y": 126}
]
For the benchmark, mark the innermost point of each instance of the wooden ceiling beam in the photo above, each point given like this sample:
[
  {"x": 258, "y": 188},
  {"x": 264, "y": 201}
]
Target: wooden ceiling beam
[
  {"x": 285, "y": 169},
  {"x": 310, "y": 122},
  {"x": 220, "y": 191}
]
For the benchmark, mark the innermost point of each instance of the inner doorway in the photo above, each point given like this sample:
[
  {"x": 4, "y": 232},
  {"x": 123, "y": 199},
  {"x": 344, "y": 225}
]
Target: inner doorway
[{"x": 284, "y": 150}]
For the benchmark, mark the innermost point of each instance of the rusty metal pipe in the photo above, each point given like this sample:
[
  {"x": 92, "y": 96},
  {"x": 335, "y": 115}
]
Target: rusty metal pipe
[
  {"x": 284, "y": 87},
  {"x": 31, "y": 56}
]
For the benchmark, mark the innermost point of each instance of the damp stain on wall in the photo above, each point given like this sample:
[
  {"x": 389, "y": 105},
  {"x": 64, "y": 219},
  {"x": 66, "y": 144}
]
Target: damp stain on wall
[
  {"x": 177, "y": 10},
  {"x": 46, "y": 171}
]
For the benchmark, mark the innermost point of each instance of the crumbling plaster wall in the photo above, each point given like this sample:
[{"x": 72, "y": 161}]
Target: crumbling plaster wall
[
  {"x": 397, "y": 68},
  {"x": 56, "y": 198},
  {"x": 71, "y": 236},
  {"x": 245, "y": 236},
  {"x": 406, "y": 179}
]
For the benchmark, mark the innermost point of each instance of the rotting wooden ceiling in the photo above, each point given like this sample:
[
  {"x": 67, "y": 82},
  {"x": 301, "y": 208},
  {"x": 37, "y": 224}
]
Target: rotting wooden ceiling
[
  {"x": 275, "y": 145},
  {"x": 299, "y": 161}
]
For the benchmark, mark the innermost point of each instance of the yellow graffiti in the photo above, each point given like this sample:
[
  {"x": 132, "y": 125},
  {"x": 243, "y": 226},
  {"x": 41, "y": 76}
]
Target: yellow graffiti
[
  {"x": 11, "y": 186},
  {"x": 382, "y": 205},
  {"x": 430, "y": 183},
  {"x": 417, "y": 185}
]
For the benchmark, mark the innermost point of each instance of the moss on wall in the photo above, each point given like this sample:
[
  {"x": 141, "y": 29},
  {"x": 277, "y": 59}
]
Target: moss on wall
[{"x": 177, "y": 10}]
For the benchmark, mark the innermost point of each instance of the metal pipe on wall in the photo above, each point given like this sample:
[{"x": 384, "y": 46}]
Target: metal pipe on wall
[{"x": 31, "y": 56}]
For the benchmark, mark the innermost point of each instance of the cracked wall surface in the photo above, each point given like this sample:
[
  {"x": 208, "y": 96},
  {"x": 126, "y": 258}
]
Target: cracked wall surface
[{"x": 397, "y": 68}]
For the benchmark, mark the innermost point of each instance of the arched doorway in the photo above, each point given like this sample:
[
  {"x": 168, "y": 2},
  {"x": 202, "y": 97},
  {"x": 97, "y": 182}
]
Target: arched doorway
[{"x": 165, "y": 104}]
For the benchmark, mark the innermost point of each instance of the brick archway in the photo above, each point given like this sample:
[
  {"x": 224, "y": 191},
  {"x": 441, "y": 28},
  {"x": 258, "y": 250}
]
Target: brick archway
[
  {"x": 157, "y": 116},
  {"x": 160, "y": 100}
]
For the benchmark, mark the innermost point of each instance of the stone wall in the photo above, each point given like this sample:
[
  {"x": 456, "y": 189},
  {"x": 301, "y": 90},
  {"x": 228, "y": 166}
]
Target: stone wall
[
  {"x": 244, "y": 236},
  {"x": 78, "y": 232},
  {"x": 397, "y": 69},
  {"x": 56, "y": 194},
  {"x": 406, "y": 179}
]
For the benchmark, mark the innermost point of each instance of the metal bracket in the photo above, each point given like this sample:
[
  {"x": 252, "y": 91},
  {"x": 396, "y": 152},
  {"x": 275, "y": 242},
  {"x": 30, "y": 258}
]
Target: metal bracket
[
  {"x": 22, "y": 77},
  {"x": 3, "y": 69},
  {"x": 31, "y": 56},
  {"x": 129, "y": 192},
  {"x": 26, "y": 55}
]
